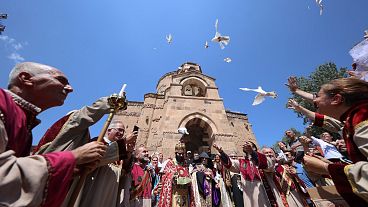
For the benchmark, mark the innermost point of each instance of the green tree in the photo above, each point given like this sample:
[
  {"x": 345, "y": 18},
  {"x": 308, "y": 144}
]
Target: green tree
[{"x": 312, "y": 83}]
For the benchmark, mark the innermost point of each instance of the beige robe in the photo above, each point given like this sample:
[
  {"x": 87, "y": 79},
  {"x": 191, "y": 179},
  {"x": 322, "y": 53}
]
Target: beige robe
[
  {"x": 23, "y": 180},
  {"x": 101, "y": 186},
  {"x": 27, "y": 175}
]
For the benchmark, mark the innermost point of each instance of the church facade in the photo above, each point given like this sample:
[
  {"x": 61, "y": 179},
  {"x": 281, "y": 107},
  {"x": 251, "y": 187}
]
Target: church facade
[{"x": 186, "y": 98}]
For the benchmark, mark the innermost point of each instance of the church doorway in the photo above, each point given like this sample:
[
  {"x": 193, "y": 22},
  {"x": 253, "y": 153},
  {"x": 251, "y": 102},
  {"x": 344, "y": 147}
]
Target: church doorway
[{"x": 199, "y": 138}]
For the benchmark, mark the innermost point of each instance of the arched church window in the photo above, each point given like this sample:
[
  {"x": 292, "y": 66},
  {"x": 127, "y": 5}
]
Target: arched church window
[
  {"x": 193, "y": 90},
  {"x": 193, "y": 87},
  {"x": 197, "y": 91},
  {"x": 188, "y": 91}
]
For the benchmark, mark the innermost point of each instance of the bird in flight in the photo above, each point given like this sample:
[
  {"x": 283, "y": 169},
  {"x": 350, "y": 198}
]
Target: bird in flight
[
  {"x": 260, "y": 97},
  {"x": 169, "y": 38},
  {"x": 206, "y": 45},
  {"x": 228, "y": 60},
  {"x": 222, "y": 40},
  {"x": 319, "y": 3}
]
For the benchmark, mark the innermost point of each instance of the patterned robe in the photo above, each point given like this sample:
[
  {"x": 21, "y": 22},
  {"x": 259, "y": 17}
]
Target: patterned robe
[{"x": 176, "y": 186}]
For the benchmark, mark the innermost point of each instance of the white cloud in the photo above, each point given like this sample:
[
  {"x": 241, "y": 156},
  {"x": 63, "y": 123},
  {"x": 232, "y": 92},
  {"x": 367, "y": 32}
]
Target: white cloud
[
  {"x": 4, "y": 37},
  {"x": 14, "y": 46},
  {"x": 18, "y": 46},
  {"x": 16, "y": 57}
]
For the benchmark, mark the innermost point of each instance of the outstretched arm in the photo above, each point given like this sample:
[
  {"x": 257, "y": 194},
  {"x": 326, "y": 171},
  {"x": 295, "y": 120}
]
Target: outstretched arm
[
  {"x": 232, "y": 165},
  {"x": 294, "y": 88},
  {"x": 319, "y": 120},
  {"x": 292, "y": 104}
]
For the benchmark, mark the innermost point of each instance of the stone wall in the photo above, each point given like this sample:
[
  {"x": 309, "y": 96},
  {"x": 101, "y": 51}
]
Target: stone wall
[{"x": 202, "y": 111}]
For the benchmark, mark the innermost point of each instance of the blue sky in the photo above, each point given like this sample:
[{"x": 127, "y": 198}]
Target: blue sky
[{"x": 101, "y": 44}]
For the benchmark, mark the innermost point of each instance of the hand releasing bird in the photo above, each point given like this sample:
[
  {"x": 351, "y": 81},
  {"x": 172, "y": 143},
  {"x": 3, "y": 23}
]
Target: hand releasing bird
[
  {"x": 319, "y": 3},
  {"x": 260, "y": 97},
  {"x": 169, "y": 38},
  {"x": 222, "y": 40}
]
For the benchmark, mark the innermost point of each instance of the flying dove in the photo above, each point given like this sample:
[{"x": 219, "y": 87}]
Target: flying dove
[
  {"x": 366, "y": 34},
  {"x": 260, "y": 97},
  {"x": 169, "y": 38},
  {"x": 319, "y": 3},
  {"x": 183, "y": 130},
  {"x": 228, "y": 60},
  {"x": 206, "y": 45},
  {"x": 222, "y": 40}
]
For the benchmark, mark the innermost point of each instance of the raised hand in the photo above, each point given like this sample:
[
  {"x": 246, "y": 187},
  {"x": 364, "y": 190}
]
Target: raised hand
[
  {"x": 131, "y": 138},
  {"x": 305, "y": 140},
  {"x": 218, "y": 148},
  {"x": 247, "y": 147},
  {"x": 291, "y": 170},
  {"x": 90, "y": 152},
  {"x": 292, "y": 104},
  {"x": 292, "y": 84}
]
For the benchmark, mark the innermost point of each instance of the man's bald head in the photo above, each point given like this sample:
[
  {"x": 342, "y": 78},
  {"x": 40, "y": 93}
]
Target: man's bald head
[
  {"x": 31, "y": 68},
  {"x": 39, "y": 84}
]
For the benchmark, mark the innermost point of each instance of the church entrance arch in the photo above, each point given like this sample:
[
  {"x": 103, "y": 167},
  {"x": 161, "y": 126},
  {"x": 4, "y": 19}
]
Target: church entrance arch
[{"x": 200, "y": 134}]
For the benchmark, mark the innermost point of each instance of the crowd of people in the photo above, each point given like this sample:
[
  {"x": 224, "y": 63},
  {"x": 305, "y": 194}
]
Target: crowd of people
[{"x": 119, "y": 173}]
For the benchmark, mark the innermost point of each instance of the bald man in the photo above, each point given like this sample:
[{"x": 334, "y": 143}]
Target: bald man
[{"x": 40, "y": 180}]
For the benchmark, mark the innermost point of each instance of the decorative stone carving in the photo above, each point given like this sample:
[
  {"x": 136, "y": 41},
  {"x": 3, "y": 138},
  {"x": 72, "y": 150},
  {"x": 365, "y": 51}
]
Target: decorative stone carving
[
  {"x": 149, "y": 106},
  {"x": 126, "y": 113}
]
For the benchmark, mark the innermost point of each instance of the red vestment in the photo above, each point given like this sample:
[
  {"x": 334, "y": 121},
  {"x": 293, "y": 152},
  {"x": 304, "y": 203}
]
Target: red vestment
[
  {"x": 356, "y": 115},
  {"x": 18, "y": 122}
]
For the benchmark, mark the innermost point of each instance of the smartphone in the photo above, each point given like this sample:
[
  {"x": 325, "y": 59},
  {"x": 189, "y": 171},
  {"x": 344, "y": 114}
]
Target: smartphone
[{"x": 135, "y": 128}]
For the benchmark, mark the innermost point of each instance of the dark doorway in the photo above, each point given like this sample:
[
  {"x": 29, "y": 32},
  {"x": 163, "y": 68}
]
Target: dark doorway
[{"x": 199, "y": 137}]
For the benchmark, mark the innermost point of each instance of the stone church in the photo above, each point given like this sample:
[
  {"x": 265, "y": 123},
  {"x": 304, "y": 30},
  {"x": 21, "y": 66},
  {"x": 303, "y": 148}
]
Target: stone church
[{"x": 186, "y": 98}]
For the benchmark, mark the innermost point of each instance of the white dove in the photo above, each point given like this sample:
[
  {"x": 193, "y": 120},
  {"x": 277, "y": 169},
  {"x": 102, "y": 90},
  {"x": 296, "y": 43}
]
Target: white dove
[
  {"x": 319, "y": 3},
  {"x": 183, "y": 130},
  {"x": 222, "y": 40},
  {"x": 366, "y": 34},
  {"x": 228, "y": 60},
  {"x": 169, "y": 38},
  {"x": 206, "y": 45},
  {"x": 260, "y": 97}
]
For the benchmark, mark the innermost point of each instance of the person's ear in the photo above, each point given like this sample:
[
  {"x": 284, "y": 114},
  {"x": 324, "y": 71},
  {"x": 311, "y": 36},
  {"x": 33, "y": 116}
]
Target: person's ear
[
  {"x": 25, "y": 79},
  {"x": 337, "y": 99}
]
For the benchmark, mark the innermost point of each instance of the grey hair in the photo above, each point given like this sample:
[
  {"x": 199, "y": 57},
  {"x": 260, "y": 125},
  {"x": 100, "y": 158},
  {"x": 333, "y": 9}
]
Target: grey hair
[
  {"x": 115, "y": 123},
  {"x": 28, "y": 67}
]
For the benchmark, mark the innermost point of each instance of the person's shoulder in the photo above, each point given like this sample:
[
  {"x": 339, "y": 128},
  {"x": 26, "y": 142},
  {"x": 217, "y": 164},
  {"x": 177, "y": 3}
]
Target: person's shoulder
[
  {"x": 355, "y": 114},
  {"x": 3, "y": 94}
]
